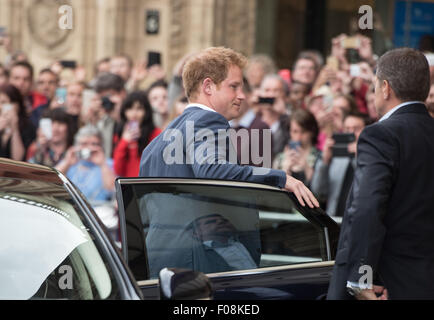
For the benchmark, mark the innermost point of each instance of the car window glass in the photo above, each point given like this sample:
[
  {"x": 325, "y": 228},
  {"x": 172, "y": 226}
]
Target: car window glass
[
  {"x": 215, "y": 229},
  {"x": 46, "y": 249}
]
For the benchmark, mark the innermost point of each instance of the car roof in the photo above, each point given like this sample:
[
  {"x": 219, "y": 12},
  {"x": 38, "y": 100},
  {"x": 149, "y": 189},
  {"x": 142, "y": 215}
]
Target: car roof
[{"x": 24, "y": 170}]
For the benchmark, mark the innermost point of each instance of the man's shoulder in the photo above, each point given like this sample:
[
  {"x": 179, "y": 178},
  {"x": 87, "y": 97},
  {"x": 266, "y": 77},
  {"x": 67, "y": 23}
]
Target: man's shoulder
[
  {"x": 200, "y": 118},
  {"x": 408, "y": 118},
  {"x": 380, "y": 127}
]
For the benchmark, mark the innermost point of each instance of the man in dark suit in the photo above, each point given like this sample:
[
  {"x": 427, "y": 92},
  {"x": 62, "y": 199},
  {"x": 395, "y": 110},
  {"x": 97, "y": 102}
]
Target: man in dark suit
[
  {"x": 196, "y": 145},
  {"x": 388, "y": 226}
]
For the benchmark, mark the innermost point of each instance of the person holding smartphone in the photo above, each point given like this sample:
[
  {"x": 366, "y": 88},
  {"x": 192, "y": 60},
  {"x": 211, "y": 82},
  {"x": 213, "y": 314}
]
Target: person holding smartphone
[
  {"x": 16, "y": 130},
  {"x": 334, "y": 172},
  {"x": 272, "y": 108},
  {"x": 54, "y": 136},
  {"x": 134, "y": 133},
  {"x": 300, "y": 155}
]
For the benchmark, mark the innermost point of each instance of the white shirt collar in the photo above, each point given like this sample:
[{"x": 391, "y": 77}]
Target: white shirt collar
[
  {"x": 198, "y": 105},
  {"x": 245, "y": 121},
  {"x": 399, "y": 106},
  {"x": 275, "y": 126}
]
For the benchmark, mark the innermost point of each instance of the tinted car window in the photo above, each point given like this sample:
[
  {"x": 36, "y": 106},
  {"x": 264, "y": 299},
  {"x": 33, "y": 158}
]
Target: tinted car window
[
  {"x": 47, "y": 250},
  {"x": 215, "y": 229}
]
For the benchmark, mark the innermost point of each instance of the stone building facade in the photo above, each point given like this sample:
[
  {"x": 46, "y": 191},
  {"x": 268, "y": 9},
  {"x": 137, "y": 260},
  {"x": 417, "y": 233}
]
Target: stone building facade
[{"x": 101, "y": 28}]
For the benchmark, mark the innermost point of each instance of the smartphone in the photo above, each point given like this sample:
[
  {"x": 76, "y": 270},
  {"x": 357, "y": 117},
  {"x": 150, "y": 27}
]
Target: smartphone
[
  {"x": 353, "y": 56},
  {"x": 134, "y": 125},
  {"x": 354, "y": 70},
  {"x": 294, "y": 145},
  {"x": 45, "y": 125},
  {"x": 333, "y": 63},
  {"x": 88, "y": 95},
  {"x": 153, "y": 58},
  {"x": 327, "y": 101},
  {"x": 264, "y": 100},
  {"x": 340, "y": 148},
  {"x": 350, "y": 43},
  {"x": 68, "y": 64},
  {"x": 61, "y": 95},
  {"x": 7, "y": 107},
  {"x": 107, "y": 104}
]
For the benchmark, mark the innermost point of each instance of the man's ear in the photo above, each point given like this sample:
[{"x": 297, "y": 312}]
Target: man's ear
[
  {"x": 207, "y": 84},
  {"x": 385, "y": 89}
]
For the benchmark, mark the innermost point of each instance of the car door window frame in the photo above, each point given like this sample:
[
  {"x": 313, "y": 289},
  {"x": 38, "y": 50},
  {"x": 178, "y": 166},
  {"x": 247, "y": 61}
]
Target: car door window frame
[{"x": 314, "y": 216}]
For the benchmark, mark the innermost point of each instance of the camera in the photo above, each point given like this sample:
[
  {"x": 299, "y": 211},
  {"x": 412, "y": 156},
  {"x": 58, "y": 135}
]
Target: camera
[
  {"x": 342, "y": 140},
  {"x": 107, "y": 104},
  {"x": 264, "y": 100},
  {"x": 84, "y": 154}
]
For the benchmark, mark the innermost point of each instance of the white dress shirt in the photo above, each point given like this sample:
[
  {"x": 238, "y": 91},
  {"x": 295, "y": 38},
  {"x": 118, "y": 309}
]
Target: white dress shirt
[{"x": 234, "y": 253}]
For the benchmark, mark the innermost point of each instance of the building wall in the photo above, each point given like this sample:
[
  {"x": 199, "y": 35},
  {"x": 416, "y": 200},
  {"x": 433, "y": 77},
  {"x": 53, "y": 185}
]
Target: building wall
[{"x": 102, "y": 28}]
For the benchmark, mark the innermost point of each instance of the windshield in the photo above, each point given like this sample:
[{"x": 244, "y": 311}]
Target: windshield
[{"x": 47, "y": 251}]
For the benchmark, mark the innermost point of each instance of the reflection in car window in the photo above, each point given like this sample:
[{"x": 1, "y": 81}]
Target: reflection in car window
[
  {"x": 217, "y": 228},
  {"x": 46, "y": 249}
]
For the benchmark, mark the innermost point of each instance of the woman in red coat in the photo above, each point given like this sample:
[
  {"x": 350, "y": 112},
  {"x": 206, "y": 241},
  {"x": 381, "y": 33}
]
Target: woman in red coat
[{"x": 135, "y": 132}]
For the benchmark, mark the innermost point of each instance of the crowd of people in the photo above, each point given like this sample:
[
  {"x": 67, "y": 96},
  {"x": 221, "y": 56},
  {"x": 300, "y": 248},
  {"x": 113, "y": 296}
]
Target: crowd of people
[{"x": 94, "y": 131}]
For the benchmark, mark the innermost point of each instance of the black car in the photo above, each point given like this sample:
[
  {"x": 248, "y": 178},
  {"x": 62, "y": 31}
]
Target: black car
[
  {"x": 253, "y": 241},
  {"x": 53, "y": 245}
]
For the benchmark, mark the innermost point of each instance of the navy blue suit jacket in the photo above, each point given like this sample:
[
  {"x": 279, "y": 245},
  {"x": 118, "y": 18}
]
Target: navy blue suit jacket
[{"x": 171, "y": 153}]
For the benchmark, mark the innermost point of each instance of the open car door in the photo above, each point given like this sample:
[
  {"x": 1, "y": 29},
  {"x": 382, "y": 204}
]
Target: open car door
[{"x": 253, "y": 241}]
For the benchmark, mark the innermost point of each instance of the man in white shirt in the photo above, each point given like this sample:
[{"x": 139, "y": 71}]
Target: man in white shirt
[{"x": 196, "y": 144}]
